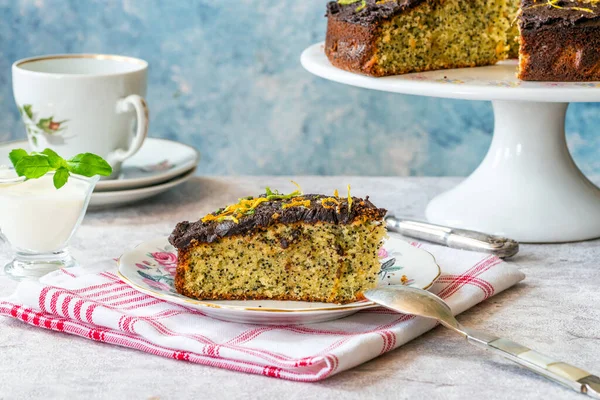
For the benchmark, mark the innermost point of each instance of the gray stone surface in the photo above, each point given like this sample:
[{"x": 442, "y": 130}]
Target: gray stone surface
[{"x": 555, "y": 311}]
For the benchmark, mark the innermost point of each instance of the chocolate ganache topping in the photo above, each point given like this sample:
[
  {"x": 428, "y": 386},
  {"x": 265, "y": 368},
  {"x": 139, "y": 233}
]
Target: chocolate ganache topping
[
  {"x": 374, "y": 10},
  {"x": 567, "y": 13},
  {"x": 535, "y": 13},
  {"x": 311, "y": 208}
]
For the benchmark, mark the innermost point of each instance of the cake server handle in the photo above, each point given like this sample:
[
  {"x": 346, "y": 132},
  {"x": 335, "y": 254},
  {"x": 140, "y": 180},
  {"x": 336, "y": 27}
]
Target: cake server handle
[
  {"x": 452, "y": 237},
  {"x": 566, "y": 374}
]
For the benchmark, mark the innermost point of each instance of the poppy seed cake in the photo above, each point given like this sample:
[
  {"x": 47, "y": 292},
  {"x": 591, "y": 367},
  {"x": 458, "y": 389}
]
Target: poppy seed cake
[{"x": 282, "y": 247}]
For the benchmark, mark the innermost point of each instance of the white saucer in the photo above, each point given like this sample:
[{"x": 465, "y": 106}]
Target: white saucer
[
  {"x": 150, "y": 269},
  {"x": 158, "y": 161},
  {"x": 119, "y": 198}
]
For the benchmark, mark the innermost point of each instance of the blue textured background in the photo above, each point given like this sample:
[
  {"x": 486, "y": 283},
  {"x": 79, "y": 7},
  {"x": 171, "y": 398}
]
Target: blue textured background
[{"x": 225, "y": 77}]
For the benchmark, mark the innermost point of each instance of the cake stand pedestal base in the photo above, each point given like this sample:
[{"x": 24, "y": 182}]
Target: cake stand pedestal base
[{"x": 527, "y": 188}]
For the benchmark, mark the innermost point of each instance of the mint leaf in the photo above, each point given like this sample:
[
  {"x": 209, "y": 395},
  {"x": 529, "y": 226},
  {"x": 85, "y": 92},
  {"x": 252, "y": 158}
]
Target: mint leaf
[
  {"x": 33, "y": 167},
  {"x": 88, "y": 164},
  {"x": 27, "y": 110},
  {"x": 54, "y": 159},
  {"x": 61, "y": 176},
  {"x": 16, "y": 155}
]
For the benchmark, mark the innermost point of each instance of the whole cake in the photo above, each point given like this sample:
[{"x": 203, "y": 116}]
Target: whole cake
[
  {"x": 282, "y": 247},
  {"x": 556, "y": 40},
  {"x": 560, "y": 40}
]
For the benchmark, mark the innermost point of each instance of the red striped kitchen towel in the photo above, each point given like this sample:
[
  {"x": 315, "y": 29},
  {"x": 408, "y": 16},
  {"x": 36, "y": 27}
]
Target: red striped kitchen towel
[{"x": 98, "y": 306}]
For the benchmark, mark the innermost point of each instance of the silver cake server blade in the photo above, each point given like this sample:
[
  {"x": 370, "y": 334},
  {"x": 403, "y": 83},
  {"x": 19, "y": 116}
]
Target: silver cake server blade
[{"x": 422, "y": 303}]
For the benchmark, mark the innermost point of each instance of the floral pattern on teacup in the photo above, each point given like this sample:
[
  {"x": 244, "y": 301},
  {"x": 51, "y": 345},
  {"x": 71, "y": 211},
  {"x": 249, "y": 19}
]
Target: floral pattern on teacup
[
  {"x": 164, "y": 165},
  {"x": 36, "y": 126}
]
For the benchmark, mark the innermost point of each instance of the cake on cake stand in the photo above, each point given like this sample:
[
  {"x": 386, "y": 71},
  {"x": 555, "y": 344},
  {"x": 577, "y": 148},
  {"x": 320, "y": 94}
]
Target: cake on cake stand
[{"x": 527, "y": 187}]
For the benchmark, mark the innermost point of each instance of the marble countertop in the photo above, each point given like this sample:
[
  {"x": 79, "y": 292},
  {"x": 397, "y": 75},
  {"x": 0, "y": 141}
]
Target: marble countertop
[{"x": 555, "y": 311}]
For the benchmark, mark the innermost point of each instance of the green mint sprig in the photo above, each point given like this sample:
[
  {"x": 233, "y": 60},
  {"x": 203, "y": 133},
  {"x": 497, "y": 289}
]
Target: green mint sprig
[{"x": 35, "y": 165}]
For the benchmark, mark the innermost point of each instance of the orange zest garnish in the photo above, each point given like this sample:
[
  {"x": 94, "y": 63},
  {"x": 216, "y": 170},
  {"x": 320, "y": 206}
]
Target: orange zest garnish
[
  {"x": 234, "y": 212},
  {"x": 257, "y": 202},
  {"x": 555, "y": 4},
  {"x": 209, "y": 217},
  {"x": 330, "y": 202},
  {"x": 349, "y": 200},
  {"x": 297, "y": 186},
  {"x": 297, "y": 202},
  {"x": 247, "y": 205}
]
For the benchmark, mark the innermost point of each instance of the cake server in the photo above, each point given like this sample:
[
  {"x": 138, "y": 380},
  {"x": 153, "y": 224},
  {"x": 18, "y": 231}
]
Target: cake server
[
  {"x": 422, "y": 303},
  {"x": 452, "y": 237}
]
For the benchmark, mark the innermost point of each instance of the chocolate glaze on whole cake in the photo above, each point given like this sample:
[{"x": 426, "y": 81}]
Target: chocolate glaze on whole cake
[
  {"x": 537, "y": 13},
  {"x": 273, "y": 212},
  {"x": 373, "y": 12},
  {"x": 560, "y": 42}
]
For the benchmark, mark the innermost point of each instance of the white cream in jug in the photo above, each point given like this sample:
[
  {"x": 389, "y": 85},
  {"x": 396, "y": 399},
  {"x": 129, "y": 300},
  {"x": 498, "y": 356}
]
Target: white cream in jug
[{"x": 35, "y": 216}]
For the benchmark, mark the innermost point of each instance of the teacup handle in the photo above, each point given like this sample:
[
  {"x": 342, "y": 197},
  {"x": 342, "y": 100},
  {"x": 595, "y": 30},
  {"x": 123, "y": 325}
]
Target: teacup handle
[{"x": 141, "y": 110}]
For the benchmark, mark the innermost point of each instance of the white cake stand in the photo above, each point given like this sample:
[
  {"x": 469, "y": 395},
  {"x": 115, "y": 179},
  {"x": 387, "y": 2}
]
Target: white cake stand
[{"x": 527, "y": 187}]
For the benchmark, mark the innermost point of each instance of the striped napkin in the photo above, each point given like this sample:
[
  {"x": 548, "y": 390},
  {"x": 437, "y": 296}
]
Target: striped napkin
[{"x": 95, "y": 304}]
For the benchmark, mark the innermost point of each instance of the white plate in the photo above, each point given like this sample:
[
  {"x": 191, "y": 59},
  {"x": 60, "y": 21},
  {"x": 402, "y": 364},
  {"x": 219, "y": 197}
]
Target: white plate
[
  {"x": 157, "y": 161},
  {"x": 123, "y": 197},
  {"x": 150, "y": 268},
  {"x": 495, "y": 82}
]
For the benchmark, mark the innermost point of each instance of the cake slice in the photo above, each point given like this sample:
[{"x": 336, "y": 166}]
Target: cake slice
[
  {"x": 560, "y": 40},
  {"x": 282, "y": 247},
  {"x": 390, "y": 37}
]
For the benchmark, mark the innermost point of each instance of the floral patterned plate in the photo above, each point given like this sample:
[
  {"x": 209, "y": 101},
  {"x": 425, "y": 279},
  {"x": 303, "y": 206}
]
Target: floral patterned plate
[{"x": 150, "y": 268}]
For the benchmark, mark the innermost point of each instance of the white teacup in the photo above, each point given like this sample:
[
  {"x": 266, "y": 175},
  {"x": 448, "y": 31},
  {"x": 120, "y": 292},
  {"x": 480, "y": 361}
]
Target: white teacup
[{"x": 78, "y": 103}]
